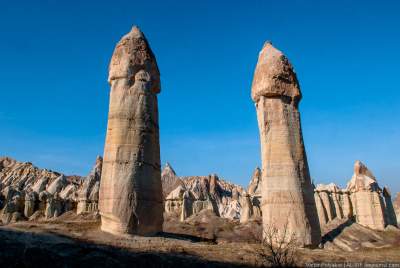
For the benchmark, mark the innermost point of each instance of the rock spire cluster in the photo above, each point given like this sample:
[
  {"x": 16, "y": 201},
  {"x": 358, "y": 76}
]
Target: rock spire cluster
[
  {"x": 29, "y": 193},
  {"x": 132, "y": 194},
  {"x": 363, "y": 201}
]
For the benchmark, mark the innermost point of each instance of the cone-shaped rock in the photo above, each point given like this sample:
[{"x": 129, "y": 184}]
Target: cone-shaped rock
[
  {"x": 287, "y": 193},
  {"x": 130, "y": 198},
  {"x": 368, "y": 203}
]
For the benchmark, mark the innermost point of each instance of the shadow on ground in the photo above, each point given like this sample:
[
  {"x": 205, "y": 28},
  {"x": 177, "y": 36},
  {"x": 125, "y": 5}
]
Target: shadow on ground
[
  {"x": 186, "y": 237},
  {"x": 332, "y": 234},
  {"x": 28, "y": 249}
]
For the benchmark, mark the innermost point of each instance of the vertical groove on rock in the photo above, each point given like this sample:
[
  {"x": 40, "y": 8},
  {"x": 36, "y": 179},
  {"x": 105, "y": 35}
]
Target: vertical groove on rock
[
  {"x": 287, "y": 193},
  {"x": 130, "y": 191}
]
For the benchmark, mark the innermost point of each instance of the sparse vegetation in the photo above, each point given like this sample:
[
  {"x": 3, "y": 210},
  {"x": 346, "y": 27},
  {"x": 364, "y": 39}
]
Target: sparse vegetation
[{"x": 279, "y": 246}]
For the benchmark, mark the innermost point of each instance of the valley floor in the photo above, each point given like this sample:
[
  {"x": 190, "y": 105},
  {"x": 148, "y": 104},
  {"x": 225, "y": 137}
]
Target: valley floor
[{"x": 72, "y": 241}]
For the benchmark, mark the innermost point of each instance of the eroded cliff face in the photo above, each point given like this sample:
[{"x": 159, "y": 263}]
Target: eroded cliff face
[
  {"x": 170, "y": 181},
  {"x": 88, "y": 194},
  {"x": 255, "y": 195},
  {"x": 362, "y": 201},
  {"x": 28, "y": 192},
  {"x": 196, "y": 193}
]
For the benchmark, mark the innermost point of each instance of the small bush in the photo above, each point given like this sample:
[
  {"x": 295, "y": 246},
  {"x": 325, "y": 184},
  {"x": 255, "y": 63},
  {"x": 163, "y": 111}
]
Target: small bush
[{"x": 279, "y": 246}]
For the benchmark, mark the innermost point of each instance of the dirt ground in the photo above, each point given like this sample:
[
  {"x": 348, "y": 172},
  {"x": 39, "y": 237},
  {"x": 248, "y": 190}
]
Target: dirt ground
[{"x": 76, "y": 241}]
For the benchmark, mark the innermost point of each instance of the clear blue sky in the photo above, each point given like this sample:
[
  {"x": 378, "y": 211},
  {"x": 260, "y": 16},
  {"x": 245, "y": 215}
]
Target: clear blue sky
[{"x": 54, "y": 92}]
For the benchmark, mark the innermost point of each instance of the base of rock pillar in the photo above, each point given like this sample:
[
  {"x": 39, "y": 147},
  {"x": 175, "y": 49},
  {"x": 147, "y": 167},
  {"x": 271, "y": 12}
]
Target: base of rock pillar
[{"x": 113, "y": 226}]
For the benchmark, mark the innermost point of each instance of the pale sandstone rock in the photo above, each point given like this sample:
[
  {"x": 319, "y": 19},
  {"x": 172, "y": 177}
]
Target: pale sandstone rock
[
  {"x": 337, "y": 200},
  {"x": 396, "y": 206},
  {"x": 177, "y": 194},
  {"x": 174, "y": 200},
  {"x": 199, "y": 205},
  {"x": 33, "y": 186},
  {"x": 68, "y": 192},
  {"x": 232, "y": 210},
  {"x": 362, "y": 201},
  {"x": 57, "y": 185},
  {"x": 53, "y": 206},
  {"x": 247, "y": 208},
  {"x": 40, "y": 185},
  {"x": 30, "y": 201},
  {"x": 347, "y": 205},
  {"x": 186, "y": 206},
  {"x": 288, "y": 196},
  {"x": 322, "y": 212},
  {"x": 367, "y": 200},
  {"x": 328, "y": 205},
  {"x": 332, "y": 203},
  {"x": 332, "y": 200},
  {"x": 131, "y": 198},
  {"x": 169, "y": 180},
  {"x": 254, "y": 190},
  {"x": 13, "y": 205},
  {"x": 50, "y": 207},
  {"x": 202, "y": 193},
  {"x": 88, "y": 194},
  {"x": 206, "y": 193}
]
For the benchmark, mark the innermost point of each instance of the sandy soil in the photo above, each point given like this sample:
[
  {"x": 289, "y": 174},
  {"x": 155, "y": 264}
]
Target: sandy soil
[{"x": 72, "y": 241}]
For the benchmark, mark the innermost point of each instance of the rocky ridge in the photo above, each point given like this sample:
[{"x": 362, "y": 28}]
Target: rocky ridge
[
  {"x": 363, "y": 201},
  {"x": 28, "y": 192},
  {"x": 192, "y": 194}
]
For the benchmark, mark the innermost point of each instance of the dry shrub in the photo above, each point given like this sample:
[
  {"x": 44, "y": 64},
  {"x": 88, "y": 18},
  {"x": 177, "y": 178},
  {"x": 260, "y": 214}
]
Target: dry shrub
[{"x": 279, "y": 246}]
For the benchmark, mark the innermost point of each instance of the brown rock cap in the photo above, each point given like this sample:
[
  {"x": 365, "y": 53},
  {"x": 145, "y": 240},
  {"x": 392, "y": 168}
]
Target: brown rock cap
[
  {"x": 274, "y": 75},
  {"x": 132, "y": 54}
]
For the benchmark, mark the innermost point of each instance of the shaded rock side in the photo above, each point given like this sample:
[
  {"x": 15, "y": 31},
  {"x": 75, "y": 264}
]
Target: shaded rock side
[
  {"x": 130, "y": 190},
  {"x": 169, "y": 180},
  {"x": 254, "y": 192},
  {"x": 389, "y": 211},
  {"x": 287, "y": 193}
]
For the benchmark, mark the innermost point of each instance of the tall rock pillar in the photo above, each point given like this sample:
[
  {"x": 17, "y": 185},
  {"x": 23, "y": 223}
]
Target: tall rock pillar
[
  {"x": 130, "y": 198},
  {"x": 287, "y": 193}
]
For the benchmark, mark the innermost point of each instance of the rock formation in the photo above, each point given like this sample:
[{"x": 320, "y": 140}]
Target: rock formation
[
  {"x": 186, "y": 205},
  {"x": 169, "y": 180},
  {"x": 196, "y": 193},
  {"x": 396, "y": 206},
  {"x": 254, "y": 190},
  {"x": 330, "y": 201},
  {"x": 30, "y": 202},
  {"x": 88, "y": 195},
  {"x": 288, "y": 198},
  {"x": 362, "y": 201},
  {"x": 22, "y": 185},
  {"x": 247, "y": 208},
  {"x": 130, "y": 189},
  {"x": 389, "y": 211},
  {"x": 366, "y": 195}
]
